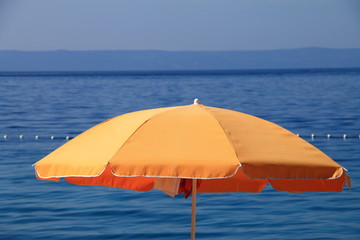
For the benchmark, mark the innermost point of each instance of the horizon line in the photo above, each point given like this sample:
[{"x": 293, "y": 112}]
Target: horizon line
[
  {"x": 163, "y": 50},
  {"x": 169, "y": 71}
]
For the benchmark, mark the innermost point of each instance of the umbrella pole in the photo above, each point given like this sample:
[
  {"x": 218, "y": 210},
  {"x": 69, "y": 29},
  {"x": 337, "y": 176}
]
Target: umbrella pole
[{"x": 193, "y": 213}]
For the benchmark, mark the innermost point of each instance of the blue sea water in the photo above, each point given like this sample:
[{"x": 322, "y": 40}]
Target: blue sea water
[{"x": 60, "y": 104}]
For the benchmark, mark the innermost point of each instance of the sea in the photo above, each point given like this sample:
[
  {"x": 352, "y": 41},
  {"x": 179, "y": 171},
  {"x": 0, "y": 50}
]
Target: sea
[{"x": 52, "y": 105}]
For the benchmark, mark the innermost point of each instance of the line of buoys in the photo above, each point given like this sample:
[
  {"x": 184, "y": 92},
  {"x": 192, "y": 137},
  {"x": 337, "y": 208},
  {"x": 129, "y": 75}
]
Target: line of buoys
[
  {"x": 37, "y": 137},
  {"x": 328, "y": 136},
  {"x": 312, "y": 136}
]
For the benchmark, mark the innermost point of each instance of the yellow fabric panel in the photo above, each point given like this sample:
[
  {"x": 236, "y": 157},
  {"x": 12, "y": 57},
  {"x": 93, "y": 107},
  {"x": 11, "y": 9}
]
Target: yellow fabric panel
[
  {"x": 266, "y": 150},
  {"x": 298, "y": 186},
  {"x": 186, "y": 142},
  {"x": 88, "y": 153}
]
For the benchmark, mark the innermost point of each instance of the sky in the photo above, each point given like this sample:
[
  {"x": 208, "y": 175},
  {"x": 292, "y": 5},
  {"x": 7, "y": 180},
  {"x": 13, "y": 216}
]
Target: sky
[{"x": 178, "y": 25}]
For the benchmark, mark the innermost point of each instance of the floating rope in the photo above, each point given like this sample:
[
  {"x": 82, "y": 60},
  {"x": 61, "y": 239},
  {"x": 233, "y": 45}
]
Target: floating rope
[
  {"x": 328, "y": 136},
  {"x": 36, "y": 137},
  {"x": 312, "y": 136}
]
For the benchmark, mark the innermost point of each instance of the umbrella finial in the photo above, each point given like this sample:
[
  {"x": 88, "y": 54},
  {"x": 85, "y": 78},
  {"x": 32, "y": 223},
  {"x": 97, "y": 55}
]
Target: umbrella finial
[{"x": 196, "y": 101}]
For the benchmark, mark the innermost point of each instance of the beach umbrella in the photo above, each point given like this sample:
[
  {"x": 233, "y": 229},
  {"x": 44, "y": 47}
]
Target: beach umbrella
[{"x": 192, "y": 149}]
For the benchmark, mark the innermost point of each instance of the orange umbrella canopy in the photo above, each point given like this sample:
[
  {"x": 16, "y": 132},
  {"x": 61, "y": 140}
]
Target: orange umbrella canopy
[{"x": 229, "y": 151}]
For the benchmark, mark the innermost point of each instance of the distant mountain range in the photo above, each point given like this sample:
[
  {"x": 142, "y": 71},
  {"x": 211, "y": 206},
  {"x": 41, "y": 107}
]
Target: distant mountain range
[{"x": 154, "y": 60}]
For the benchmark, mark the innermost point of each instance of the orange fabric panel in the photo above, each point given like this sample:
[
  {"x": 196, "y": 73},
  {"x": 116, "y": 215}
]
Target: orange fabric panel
[
  {"x": 329, "y": 185},
  {"x": 266, "y": 150},
  {"x": 186, "y": 142},
  {"x": 238, "y": 183},
  {"x": 88, "y": 153},
  {"x": 108, "y": 179}
]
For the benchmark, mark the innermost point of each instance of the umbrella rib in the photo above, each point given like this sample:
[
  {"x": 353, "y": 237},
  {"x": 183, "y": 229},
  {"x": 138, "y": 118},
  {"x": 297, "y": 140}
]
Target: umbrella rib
[
  {"x": 227, "y": 136},
  {"x": 173, "y": 108}
]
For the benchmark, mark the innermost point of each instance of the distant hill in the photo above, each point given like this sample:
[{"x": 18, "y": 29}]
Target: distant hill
[{"x": 152, "y": 60}]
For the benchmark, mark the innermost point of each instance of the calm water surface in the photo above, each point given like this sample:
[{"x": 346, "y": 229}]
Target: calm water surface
[{"x": 304, "y": 102}]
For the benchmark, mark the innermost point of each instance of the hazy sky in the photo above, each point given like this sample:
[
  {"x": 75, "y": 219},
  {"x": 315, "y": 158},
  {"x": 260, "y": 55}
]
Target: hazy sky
[{"x": 178, "y": 24}]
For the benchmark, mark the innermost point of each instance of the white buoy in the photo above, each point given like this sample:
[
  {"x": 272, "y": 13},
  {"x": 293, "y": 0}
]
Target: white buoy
[
  {"x": 21, "y": 136},
  {"x": 5, "y": 136},
  {"x": 36, "y": 137},
  {"x": 67, "y": 137},
  {"x": 298, "y": 135},
  {"x": 344, "y": 136},
  {"x": 328, "y": 136},
  {"x": 312, "y": 135},
  {"x": 52, "y": 137},
  {"x": 196, "y": 101}
]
